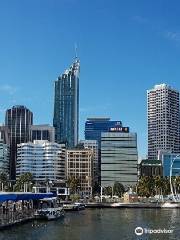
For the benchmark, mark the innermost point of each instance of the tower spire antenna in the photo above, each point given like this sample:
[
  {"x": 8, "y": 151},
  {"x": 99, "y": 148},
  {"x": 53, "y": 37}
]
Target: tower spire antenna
[{"x": 75, "y": 48}]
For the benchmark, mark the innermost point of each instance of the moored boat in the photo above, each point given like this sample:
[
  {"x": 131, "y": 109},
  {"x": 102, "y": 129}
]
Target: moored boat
[
  {"x": 170, "y": 205},
  {"x": 49, "y": 213}
]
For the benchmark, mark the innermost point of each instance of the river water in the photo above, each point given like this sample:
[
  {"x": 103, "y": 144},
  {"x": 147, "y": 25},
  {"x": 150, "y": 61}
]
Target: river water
[{"x": 101, "y": 224}]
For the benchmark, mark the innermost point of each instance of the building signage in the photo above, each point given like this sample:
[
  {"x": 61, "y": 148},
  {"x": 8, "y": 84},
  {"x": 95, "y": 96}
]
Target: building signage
[{"x": 119, "y": 129}]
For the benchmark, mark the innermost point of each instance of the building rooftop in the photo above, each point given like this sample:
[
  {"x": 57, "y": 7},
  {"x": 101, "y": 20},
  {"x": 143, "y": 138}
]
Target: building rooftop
[{"x": 151, "y": 162}]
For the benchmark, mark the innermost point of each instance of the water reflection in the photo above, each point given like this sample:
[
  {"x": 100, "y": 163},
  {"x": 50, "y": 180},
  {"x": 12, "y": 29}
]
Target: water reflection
[{"x": 100, "y": 224}]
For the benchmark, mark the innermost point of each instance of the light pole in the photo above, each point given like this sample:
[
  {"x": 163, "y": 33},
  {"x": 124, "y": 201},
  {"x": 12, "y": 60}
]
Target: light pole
[
  {"x": 101, "y": 192},
  {"x": 171, "y": 167}
]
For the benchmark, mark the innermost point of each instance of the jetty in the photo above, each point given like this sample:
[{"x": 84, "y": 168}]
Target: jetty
[{"x": 18, "y": 207}]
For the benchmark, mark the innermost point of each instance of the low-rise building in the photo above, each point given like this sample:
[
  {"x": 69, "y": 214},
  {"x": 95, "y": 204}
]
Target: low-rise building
[{"x": 150, "y": 168}]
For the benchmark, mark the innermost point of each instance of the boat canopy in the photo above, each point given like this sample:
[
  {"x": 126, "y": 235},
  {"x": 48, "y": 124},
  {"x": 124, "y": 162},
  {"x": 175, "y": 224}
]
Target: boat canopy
[{"x": 17, "y": 196}]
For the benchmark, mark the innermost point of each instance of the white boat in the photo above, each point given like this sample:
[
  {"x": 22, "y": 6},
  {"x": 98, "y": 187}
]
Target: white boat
[
  {"x": 49, "y": 213},
  {"x": 81, "y": 206},
  {"x": 73, "y": 206},
  {"x": 170, "y": 205},
  {"x": 48, "y": 209}
]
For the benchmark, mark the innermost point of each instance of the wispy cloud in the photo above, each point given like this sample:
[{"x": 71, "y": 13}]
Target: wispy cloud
[
  {"x": 94, "y": 109},
  {"x": 139, "y": 19},
  {"x": 8, "y": 89},
  {"x": 172, "y": 35}
]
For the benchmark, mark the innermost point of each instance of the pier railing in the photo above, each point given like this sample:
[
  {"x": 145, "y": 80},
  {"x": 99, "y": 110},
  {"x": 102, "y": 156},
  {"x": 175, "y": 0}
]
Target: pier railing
[{"x": 9, "y": 217}]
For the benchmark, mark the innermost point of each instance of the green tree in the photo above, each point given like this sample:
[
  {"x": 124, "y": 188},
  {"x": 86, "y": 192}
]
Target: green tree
[
  {"x": 73, "y": 184},
  {"x": 24, "y": 179},
  {"x": 118, "y": 189},
  {"x": 4, "y": 181},
  {"x": 146, "y": 186},
  {"x": 107, "y": 190}
]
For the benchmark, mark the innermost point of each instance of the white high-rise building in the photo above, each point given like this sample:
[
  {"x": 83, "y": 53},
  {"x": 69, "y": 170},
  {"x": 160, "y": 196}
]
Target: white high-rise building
[
  {"x": 163, "y": 120},
  {"x": 45, "y": 160}
]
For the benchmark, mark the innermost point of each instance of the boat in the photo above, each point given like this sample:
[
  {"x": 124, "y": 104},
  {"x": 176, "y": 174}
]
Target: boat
[
  {"x": 81, "y": 206},
  {"x": 170, "y": 205},
  {"x": 69, "y": 206},
  {"x": 49, "y": 213},
  {"x": 49, "y": 210}
]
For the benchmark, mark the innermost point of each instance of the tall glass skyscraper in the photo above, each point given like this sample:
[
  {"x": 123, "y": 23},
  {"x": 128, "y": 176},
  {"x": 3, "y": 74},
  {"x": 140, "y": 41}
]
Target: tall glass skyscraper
[
  {"x": 18, "y": 120},
  {"x": 66, "y": 106}
]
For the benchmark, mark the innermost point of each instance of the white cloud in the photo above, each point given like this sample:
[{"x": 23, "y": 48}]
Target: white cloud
[
  {"x": 172, "y": 35},
  {"x": 8, "y": 89}
]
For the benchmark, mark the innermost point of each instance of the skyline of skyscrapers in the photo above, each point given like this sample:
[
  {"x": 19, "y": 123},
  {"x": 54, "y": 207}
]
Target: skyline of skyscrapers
[
  {"x": 66, "y": 106},
  {"x": 114, "y": 147},
  {"x": 163, "y": 120},
  {"x": 18, "y": 119}
]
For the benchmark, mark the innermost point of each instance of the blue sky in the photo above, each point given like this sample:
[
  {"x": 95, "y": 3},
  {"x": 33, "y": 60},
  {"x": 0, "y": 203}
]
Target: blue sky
[{"x": 125, "y": 47}]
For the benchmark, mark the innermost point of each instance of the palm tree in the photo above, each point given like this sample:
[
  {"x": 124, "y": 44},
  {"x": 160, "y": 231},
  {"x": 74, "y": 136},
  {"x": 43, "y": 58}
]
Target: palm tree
[{"x": 24, "y": 180}]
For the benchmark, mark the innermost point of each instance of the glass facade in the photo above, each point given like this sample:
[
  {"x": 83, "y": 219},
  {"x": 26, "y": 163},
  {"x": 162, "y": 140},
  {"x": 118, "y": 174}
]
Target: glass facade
[
  {"x": 45, "y": 160},
  {"x": 166, "y": 162},
  {"x": 4, "y": 157},
  {"x": 93, "y": 129},
  {"x": 18, "y": 120},
  {"x": 66, "y": 106},
  {"x": 119, "y": 158},
  {"x": 95, "y": 126},
  {"x": 4, "y": 150}
]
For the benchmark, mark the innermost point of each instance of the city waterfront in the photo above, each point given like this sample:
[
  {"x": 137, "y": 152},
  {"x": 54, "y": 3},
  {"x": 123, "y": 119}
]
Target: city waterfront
[{"x": 101, "y": 224}]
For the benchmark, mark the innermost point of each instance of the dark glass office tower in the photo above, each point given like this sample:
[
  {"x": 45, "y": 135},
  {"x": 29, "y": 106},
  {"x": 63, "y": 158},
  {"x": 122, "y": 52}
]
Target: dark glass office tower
[
  {"x": 18, "y": 120},
  {"x": 66, "y": 106},
  {"x": 95, "y": 126}
]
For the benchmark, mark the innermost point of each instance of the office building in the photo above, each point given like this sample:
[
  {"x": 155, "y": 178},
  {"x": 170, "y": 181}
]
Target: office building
[
  {"x": 163, "y": 120},
  {"x": 93, "y": 129},
  {"x": 171, "y": 163},
  {"x": 66, "y": 106},
  {"x": 119, "y": 157},
  {"x": 18, "y": 120},
  {"x": 4, "y": 150},
  {"x": 151, "y": 168},
  {"x": 79, "y": 164},
  {"x": 45, "y": 160},
  {"x": 5, "y": 134},
  {"x": 42, "y": 132},
  {"x": 95, "y": 126},
  {"x": 93, "y": 145}
]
